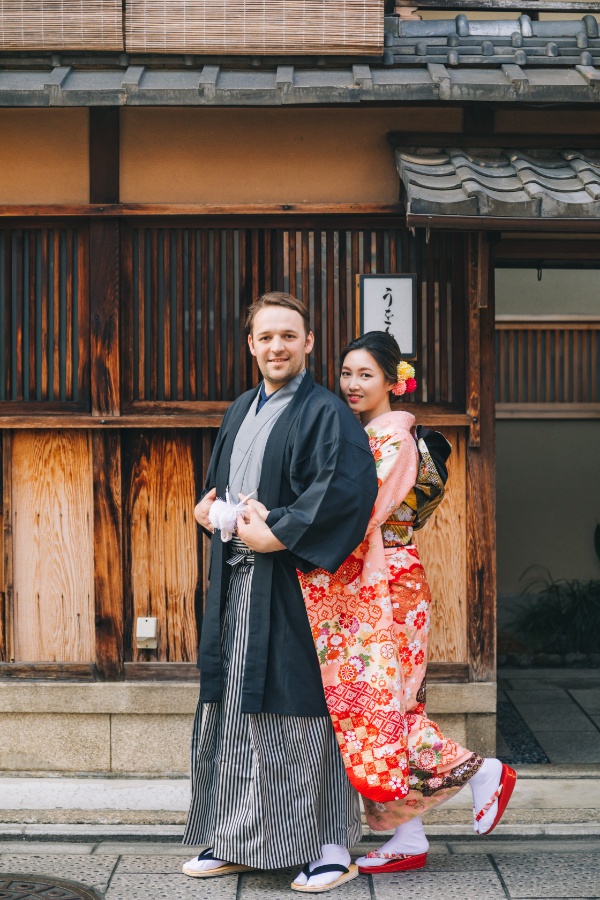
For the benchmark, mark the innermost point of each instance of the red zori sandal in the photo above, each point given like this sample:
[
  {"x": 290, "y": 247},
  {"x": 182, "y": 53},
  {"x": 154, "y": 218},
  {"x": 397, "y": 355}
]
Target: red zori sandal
[
  {"x": 508, "y": 779},
  {"x": 398, "y": 862}
]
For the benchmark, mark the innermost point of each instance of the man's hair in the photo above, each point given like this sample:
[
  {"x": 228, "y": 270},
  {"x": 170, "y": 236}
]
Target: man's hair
[{"x": 278, "y": 298}]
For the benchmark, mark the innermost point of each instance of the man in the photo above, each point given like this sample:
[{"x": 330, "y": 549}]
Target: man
[{"x": 269, "y": 787}]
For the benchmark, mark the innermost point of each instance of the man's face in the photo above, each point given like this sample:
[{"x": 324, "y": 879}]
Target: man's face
[{"x": 279, "y": 343}]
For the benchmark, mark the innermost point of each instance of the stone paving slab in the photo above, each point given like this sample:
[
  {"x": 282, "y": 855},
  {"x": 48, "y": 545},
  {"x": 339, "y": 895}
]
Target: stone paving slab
[
  {"x": 44, "y": 847},
  {"x": 172, "y": 887},
  {"x": 550, "y": 875},
  {"x": 275, "y": 885},
  {"x": 570, "y": 747},
  {"x": 156, "y": 864},
  {"x": 141, "y": 848},
  {"x": 564, "y": 716},
  {"x": 90, "y": 870},
  {"x": 589, "y": 698},
  {"x": 424, "y": 886}
]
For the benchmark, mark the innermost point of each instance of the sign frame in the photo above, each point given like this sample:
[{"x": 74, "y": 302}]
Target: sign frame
[{"x": 411, "y": 353}]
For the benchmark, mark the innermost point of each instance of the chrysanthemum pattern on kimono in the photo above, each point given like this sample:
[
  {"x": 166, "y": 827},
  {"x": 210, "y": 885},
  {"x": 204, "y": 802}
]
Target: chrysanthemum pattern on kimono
[{"x": 370, "y": 622}]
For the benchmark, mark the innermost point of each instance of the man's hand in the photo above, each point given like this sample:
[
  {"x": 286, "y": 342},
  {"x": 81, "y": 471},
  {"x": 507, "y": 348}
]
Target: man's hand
[
  {"x": 203, "y": 508},
  {"x": 260, "y": 508},
  {"x": 256, "y": 533}
]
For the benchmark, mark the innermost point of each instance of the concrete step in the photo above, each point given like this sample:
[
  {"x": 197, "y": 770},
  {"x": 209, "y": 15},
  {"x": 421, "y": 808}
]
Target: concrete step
[{"x": 544, "y": 795}]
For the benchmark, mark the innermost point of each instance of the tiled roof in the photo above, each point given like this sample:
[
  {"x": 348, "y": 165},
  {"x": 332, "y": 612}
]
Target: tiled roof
[
  {"x": 453, "y": 60},
  {"x": 493, "y": 42},
  {"x": 513, "y": 183}
]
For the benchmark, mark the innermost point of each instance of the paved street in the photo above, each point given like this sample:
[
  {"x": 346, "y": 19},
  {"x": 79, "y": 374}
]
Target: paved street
[
  {"x": 556, "y": 711},
  {"x": 519, "y": 868}
]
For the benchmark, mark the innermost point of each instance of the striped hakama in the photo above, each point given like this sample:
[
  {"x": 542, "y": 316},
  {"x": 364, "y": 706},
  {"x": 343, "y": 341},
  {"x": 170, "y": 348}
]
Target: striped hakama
[{"x": 267, "y": 790}]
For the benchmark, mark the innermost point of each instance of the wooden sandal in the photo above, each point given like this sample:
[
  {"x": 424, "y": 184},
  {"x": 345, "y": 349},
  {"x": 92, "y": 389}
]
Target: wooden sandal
[
  {"x": 225, "y": 869},
  {"x": 347, "y": 875},
  {"x": 508, "y": 779},
  {"x": 398, "y": 862}
]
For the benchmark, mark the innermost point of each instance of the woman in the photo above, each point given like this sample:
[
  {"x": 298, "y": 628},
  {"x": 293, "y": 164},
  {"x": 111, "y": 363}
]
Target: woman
[{"x": 370, "y": 622}]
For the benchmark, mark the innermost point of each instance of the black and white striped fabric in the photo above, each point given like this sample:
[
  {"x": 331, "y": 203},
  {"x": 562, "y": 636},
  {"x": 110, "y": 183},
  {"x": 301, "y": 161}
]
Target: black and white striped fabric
[{"x": 267, "y": 790}]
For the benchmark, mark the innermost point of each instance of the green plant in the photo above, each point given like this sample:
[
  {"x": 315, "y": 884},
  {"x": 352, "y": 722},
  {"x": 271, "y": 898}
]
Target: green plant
[{"x": 562, "y": 617}]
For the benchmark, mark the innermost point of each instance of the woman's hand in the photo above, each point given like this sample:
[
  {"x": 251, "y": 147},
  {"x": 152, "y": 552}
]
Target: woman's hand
[
  {"x": 202, "y": 510},
  {"x": 260, "y": 508},
  {"x": 254, "y": 532}
]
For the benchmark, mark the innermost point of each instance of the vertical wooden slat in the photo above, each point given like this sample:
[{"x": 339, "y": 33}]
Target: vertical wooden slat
[
  {"x": 179, "y": 301},
  {"x": 594, "y": 339},
  {"x": 17, "y": 294},
  {"x": 31, "y": 290},
  {"x": 68, "y": 361},
  {"x": 318, "y": 314},
  {"x": 108, "y": 551},
  {"x": 243, "y": 274},
  {"x": 458, "y": 320},
  {"x": 55, "y": 360},
  {"x": 140, "y": 325},
  {"x": 330, "y": 311},
  {"x": 443, "y": 317},
  {"x": 218, "y": 334},
  {"x": 346, "y": 321},
  {"x": 205, "y": 305},
  {"x": 5, "y": 310},
  {"x": 557, "y": 366},
  {"x": 193, "y": 392},
  {"x": 165, "y": 320},
  {"x": 586, "y": 377},
  {"x": 577, "y": 360},
  {"x": 292, "y": 260},
  {"x": 104, "y": 285},
  {"x": 306, "y": 270},
  {"x": 154, "y": 323},
  {"x": 44, "y": 328},
  {"x": 432, "y": 277},
  {"x": 232, "y": 362},
  {"x": 538, "y": 398}
]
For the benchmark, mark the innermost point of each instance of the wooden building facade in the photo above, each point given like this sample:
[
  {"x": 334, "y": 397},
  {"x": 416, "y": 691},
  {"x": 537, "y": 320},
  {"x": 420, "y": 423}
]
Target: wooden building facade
[{"x": 141, "y": 212}]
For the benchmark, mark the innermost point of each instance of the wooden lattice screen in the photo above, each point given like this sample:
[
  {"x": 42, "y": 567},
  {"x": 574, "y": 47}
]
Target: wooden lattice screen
[
  {"x": 255, "y": 26},
  {"x": 44, "y": 319},
  {"x": 61, "y": 25},
  {"x": 547, "y": 366},
  {"x": 186, "y": 290}
]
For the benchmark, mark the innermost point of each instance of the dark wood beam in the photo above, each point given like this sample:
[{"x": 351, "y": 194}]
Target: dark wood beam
[
  {"x": 104, "y": 154},
  {"x": 481, "y": 481}
]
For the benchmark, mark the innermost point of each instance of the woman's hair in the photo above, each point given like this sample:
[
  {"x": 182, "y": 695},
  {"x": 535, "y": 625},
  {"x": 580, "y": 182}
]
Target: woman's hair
[{"x": 384, "y": 349}]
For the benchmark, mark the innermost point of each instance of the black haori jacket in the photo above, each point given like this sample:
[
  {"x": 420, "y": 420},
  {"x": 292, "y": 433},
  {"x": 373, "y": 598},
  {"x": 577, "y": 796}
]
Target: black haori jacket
[{"x": 319, "y": 483}]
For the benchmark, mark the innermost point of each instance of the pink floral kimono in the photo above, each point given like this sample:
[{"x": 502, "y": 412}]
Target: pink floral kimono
[{"x": 370, "y": 621}]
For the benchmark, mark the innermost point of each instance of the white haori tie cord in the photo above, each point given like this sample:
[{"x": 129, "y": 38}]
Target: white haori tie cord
[{"x": 223, "y": 515}]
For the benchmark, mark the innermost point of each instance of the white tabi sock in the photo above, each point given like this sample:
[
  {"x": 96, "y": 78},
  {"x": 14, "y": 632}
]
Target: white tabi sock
[
  {"x": 332, "y": 853},
  {"x": 203, "y": 865},
  {"x": 409, "y": 838},
  {"x": 483, "y": 784}
]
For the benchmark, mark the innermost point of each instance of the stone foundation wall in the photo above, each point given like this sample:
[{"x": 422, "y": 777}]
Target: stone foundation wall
[{"x": 144, "y": 729}]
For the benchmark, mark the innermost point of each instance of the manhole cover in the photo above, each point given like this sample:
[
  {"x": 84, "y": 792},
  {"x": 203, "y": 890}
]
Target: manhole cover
[{"x": 34, "y": 887}]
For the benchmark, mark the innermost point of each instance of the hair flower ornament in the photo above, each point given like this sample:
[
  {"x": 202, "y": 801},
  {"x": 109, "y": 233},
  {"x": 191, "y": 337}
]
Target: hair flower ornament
[{"x": 406, "y": 383}]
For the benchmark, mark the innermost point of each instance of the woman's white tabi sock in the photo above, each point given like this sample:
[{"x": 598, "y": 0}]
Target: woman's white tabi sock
[
  {"x": 409, "y": 838},
  {"x": 332, "y": 853},
  {"x": 483, "y": 784}
]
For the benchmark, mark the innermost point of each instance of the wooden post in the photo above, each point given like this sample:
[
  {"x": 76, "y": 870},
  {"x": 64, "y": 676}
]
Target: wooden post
[
  {"x": 6, "y": 595},
  {"x": 481, "y": 499},
  {"x": 106, "y": 394},
  {"x": 108, "y": 549}
]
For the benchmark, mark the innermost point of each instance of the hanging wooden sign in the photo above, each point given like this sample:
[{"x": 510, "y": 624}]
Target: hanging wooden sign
[{"x": 389, "y": 303}]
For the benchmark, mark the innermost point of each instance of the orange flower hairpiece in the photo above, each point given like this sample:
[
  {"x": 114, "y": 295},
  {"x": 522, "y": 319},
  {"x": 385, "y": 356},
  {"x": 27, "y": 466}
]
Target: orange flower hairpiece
[{"x": 406, "y": 383}]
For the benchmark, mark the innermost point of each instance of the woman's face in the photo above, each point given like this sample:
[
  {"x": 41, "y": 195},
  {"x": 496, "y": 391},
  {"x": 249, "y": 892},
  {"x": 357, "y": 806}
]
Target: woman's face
[{"x": 363, "y": 384}]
